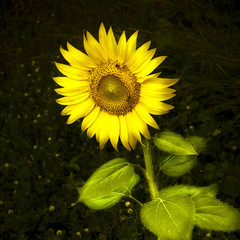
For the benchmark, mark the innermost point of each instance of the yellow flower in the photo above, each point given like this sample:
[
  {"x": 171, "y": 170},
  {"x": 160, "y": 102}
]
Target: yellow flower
[{"x": 111, "y": 87}]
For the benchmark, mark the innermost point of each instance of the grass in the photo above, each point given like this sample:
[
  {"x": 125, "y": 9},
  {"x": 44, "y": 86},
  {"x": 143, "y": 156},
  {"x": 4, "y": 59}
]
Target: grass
[{"x": 43, "y": 159}]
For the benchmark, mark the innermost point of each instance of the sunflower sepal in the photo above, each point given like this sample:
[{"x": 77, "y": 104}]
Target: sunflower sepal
[{"x": 108, "y": 184}]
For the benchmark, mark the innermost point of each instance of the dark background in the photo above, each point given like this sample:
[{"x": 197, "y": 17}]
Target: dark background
[{"x": 43, "y": 160}]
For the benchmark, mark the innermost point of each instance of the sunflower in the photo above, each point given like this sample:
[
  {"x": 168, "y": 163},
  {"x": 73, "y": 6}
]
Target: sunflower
[{"x": 111, "y": 87}]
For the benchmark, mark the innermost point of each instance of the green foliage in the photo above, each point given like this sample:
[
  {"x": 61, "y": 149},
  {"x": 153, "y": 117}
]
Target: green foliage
[
  {"x": 179, "y": 208},
  {"x": 173, "y": 143},
  {"x": 109, "y": 177},
  {"x": 207, "y": 212},
  {"x": 183, "y": 152},
  {"x": 171, "y": 218},
  {"x": 212, "y": 214},
  {"x": 198, "y": 143},
  {"x": 104, "y": 201},
  {"x": 178, "y": 165},
  {"x": 188, "y": 190}
]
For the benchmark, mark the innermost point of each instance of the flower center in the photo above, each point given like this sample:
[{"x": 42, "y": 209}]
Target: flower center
[{"x": 114, "y": 88}]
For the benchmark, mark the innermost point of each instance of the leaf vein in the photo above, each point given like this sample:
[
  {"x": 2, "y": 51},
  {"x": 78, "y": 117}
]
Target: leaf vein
[{"x": 171, "y": 217}]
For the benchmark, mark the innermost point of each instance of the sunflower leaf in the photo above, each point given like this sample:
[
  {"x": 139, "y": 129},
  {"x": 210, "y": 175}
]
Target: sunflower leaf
[
  {"x": 109, "y": 177},
  {"x": 110, "y": 199},
  {"x": 189, "y": 190},
  {"x": 212, "y": 214},
  {"x": 174, "y": 143},
  {"x": 178, "y": 165},
  {"x": 198, "y": 143},
  {"x": 171, "y": 218}
]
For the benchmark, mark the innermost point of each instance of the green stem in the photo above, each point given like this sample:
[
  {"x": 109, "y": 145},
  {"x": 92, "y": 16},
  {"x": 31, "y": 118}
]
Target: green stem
[
  {"x": 134, "y": 199},
  {"x": 149, "y": 169},
  {"x": 138, "y": 166},
  {"x": 149, "y": 173}
]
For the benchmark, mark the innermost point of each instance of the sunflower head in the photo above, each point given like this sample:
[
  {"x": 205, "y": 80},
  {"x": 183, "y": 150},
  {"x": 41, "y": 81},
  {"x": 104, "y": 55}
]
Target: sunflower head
[{"x": 112, "y": 88}]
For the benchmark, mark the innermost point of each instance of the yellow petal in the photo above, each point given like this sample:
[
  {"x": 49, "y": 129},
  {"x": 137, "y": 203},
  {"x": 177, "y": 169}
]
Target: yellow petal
[
  {"x": 138, "y": 54},
  {"x": 72, "y": 72},
  {"x": 142, "y": 79},
  {"x": 159, "y": 95},
  {"x": 91, "y": 51},
  {"x": 102, "y": 133},
  {"x": 68, "y": 82},
  {"x": 153, "y": 106},
  {"x": 154, "y": 63},
  {"x": 154, "y": 88},
  {"x": 145, "y": 116},
  {"x": 131, "y": 44},
  {"x": 94, "y": 127},
  {"x": 102, "y": 35},
  {"x": 132, "y": 140},
  {"x": 98, "y": 48},
  {"x": 71, "y": 69},
  {"x": 72, "y": 91},
  {"x": 154, "y": 75},
  {"x": 80, "y": 110},
  {"x": 143, "y": 63},
  {"x": 67, "y": 55},
  {"x": 73, "y": 99},
  {"x": 72, "y": 61},
  {"x": 160, "y": 82},
  {"x": 73, "y": 87},
  {"x": 140, "y": 124},
  {"x": 132, "y": 128},
  {"x": 114, "y": 130},
  {"x": 68, "y": 109},
  {"x": 124, "y": 132},
  {"x": 80, "y": 57},
  {"x": 121, "y": 48},
  {"x": 90, "y": 118},
  {"x": 111, "y": 44}
]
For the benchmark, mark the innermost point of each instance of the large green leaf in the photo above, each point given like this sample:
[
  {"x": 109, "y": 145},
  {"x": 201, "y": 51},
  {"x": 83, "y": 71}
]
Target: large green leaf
[
  {"x": 109, "y": 177},
  {"x": 110, "y": 199},
  {"x": 188, "y": 190},
  {"x": 174, "y": 143},
  {"x": 212, "y": 214},
  {"x": 171, "y": 218},
  {"x": 198, "y": 143},
  {"x": 178, "y": 165}
]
